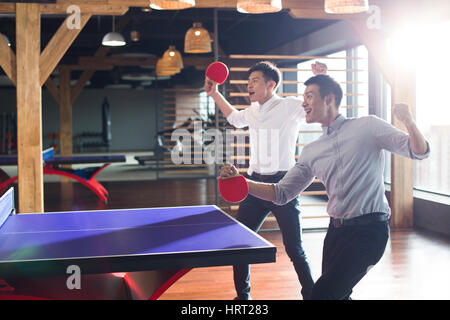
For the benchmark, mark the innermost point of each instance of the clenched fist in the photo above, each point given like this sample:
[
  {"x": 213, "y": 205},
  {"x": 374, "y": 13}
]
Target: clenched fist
[
  {"x": 319, "y": 68},
  {"x": 210, "y": 86},
  {"x": 402, "y": 113},
  {"x": 228, "y": 170}
]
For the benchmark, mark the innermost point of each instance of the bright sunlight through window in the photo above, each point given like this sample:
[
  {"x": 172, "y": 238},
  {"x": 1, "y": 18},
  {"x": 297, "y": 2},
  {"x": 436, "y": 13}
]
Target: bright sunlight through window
[{"x": 427, "y": 47}]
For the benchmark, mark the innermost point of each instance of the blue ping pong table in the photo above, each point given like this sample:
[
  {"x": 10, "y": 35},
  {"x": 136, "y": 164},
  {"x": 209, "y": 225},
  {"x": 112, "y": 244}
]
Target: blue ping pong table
[
  {"x": 117, "y": 254},
  {"x": 52, "y": 165}
]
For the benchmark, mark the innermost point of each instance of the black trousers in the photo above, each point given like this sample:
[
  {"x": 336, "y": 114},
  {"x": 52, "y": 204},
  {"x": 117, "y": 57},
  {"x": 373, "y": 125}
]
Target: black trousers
[
  {"x": 252, "y": 213},
  {"x": 348, "y": 253}
]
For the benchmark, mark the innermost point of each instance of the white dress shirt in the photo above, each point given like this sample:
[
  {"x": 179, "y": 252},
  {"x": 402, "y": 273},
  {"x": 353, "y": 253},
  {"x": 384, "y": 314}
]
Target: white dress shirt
[{"x": 273, "y": 129}]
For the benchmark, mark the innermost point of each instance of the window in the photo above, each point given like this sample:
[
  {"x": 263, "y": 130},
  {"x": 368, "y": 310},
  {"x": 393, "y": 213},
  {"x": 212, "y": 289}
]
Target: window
[
  {"x": 433, "y": 110},
  {"x": 350, "y": 69},
  {"x": 427, "y": 48}
]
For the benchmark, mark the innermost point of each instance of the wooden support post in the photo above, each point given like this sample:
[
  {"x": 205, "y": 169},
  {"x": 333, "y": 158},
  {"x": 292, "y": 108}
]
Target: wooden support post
[
  {"x": 65, "y": 112},
  {"x": 402, "y": 169},
  {"x": 29, "y": 70},
  {"x": 29, "y": 107},
  {"x": 402, "y": 80},
  {"x": 65, "y": 127}
]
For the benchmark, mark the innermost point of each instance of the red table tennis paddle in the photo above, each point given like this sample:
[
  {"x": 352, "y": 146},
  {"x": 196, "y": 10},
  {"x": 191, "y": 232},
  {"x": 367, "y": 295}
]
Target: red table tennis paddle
[
  {"x": 234, "y": 188},
  {"x": 217, "y": 71}
]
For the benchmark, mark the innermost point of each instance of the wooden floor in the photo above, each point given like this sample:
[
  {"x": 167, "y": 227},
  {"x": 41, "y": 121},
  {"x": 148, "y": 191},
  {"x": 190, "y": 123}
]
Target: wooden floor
[{"x": 414, "y": 266}]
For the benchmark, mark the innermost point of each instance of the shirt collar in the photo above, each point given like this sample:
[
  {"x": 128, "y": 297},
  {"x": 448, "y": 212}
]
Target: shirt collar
[
  {"x": 268, "y": 102},
  {"x": 337, "y": 123}
]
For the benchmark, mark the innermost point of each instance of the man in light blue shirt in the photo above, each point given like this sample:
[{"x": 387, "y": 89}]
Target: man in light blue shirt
[{"x": 349, "y": 159}]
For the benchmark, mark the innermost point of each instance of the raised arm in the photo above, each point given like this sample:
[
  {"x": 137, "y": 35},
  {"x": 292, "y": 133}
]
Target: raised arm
[
  {"x": 211, "y": 90},
  {"x": 417, "y": 141}
]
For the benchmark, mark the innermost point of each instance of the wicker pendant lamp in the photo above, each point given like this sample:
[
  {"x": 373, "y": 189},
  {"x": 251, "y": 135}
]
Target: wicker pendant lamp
[
  {"x": 197, "y": 40},
  {"x": 172, "y": 58},
  {"x": 258, "y": 6},
  {"x": 346, "y": 6},
  {"x": 163, "y": 70},
  {"x": 6, "y": 39},
  {"x": 171, "y": 4}
]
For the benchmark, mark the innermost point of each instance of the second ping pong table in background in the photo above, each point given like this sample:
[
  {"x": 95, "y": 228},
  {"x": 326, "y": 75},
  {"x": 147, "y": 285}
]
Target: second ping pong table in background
[
  {"x": 52, "y": 165},
  {"x": 120, "y": 254}
]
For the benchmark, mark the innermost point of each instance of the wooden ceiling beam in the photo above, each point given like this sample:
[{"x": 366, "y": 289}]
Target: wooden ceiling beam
[
  {"x": 86, "y": 67},
  {"x": 116, "y": 61},
  {"x": 198, "y": 3},
  {"x": 309, "y": 9},
  {"x": 102, "y": 9},
  {"x": 81, "y": 83},
  {"x": 304, "y": 9},
  {"x": 91, "y": 62},
  {"x": 89, "y": 8},
  {"x": 7, "y": 60},
  {"x": 58, "y": 45},
  {"x": 52, "y": 89},
  {"x": 7, "y": 7}
]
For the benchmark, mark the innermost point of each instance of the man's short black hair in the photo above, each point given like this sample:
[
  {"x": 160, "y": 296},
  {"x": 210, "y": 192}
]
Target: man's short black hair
[
  {"x": 269, "y": 71},
  {"x": 327, "y": 85}
]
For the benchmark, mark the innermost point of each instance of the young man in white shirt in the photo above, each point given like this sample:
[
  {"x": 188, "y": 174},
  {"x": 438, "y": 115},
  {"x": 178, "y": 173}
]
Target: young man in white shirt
[{"x": 274, "y": 124}]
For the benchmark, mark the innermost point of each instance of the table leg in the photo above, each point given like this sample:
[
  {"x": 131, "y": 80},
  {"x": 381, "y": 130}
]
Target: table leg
[{"x": 152, "y": 284}]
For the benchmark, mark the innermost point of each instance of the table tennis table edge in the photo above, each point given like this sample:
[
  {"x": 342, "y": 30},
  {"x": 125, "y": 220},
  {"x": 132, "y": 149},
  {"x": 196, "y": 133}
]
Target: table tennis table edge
[
  {"x": 172, "y": 207},
  {"x": 89, "y": 264}
]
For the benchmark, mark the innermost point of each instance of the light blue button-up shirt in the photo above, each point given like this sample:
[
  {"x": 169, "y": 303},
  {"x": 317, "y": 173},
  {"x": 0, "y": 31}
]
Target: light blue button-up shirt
[{"x": 349, "y": 159}]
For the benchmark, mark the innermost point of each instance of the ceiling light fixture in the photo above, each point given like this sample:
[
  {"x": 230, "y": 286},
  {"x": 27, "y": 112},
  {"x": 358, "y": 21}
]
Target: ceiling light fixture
[
  {"x": 258, "y": 6},
  {"x": 346, "y": 6},
  {"x": 163, "y": 70},
  {"x": 113, "y": 39},
  {"x": 172, "y": 58},
  {"x": 171, "y": 4},
  {"x": 135, "y": 35},
  {"x": 197, "y": 39}
]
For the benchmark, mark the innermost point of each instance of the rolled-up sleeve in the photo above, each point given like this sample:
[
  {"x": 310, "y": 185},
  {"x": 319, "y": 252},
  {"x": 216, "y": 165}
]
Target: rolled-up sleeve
[
  {"x": 295, "y": 181},
  {"x": 394, "y": 140},
  {"x": 238, "y": 119},
  {"x": 419, "y": 156}
]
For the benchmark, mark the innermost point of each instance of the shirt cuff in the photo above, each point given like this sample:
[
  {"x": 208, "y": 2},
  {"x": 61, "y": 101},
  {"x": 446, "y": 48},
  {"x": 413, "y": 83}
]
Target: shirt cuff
[
  {"x": 422, "y": 156},
  {"x": 280, "y": 198}
]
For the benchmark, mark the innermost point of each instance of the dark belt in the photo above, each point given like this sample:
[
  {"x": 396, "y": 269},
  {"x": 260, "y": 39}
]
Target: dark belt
[
  {"x": 267, "y": 176},
  {"x": 361, "y": 220}
]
